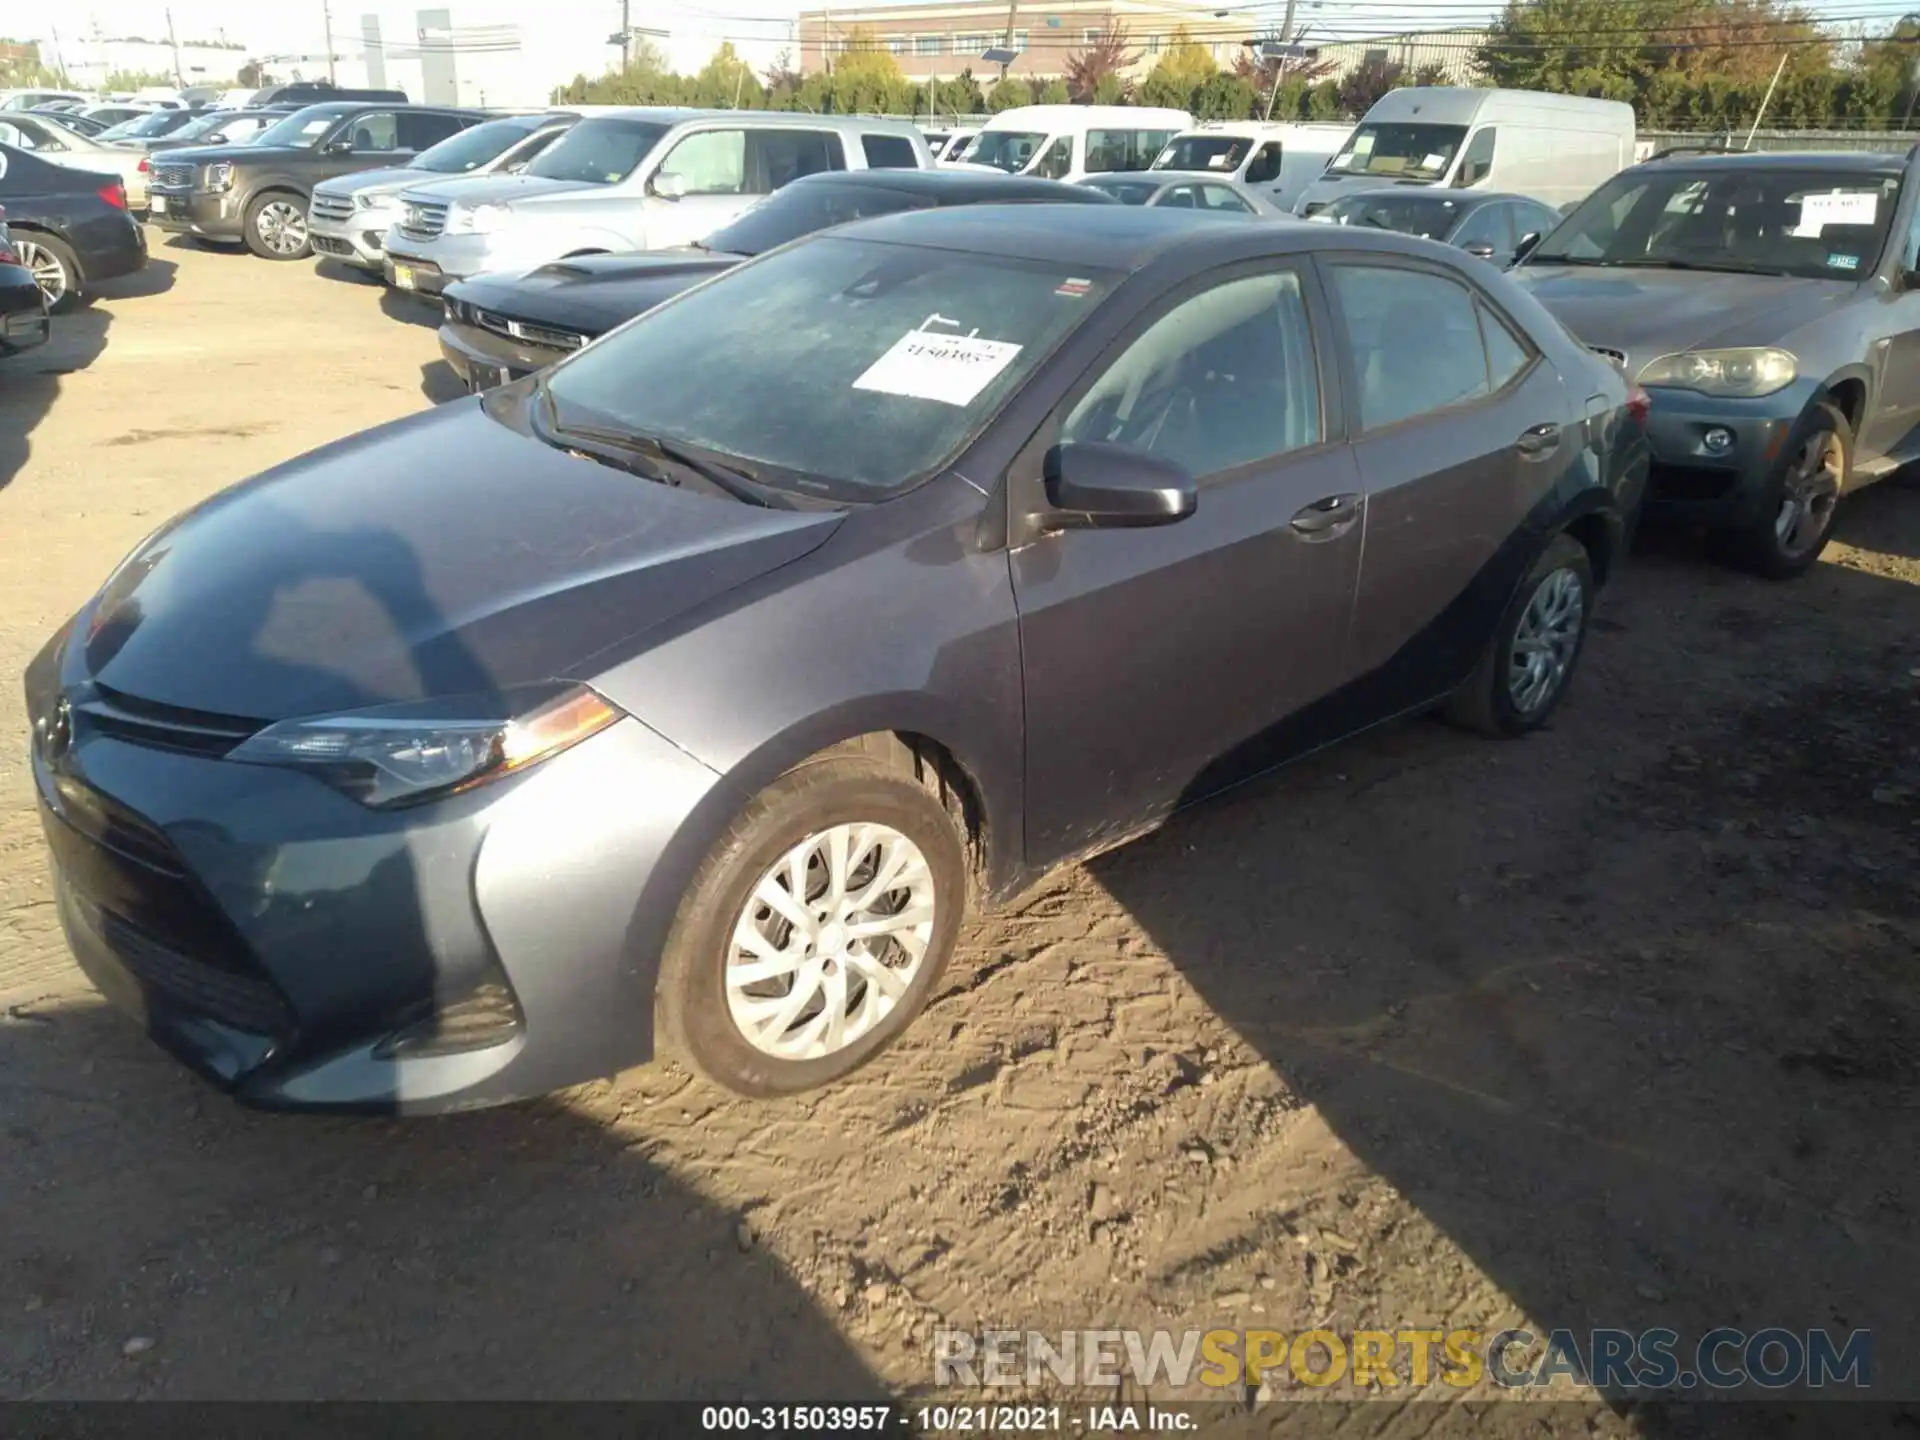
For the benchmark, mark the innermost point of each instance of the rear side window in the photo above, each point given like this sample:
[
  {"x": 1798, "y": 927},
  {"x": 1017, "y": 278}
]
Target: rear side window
[
  {"x": 889, "y": 152},
  {"x": 420, "y": 129},
  {"x": 1507, "y": 355},
  {"x": 1415, "y": 341},
  {"x": 776, "y": 156}
]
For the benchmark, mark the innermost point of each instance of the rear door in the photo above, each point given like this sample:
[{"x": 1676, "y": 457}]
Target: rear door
[
  {"x": 1462, "y": 428},
  {"x": 1162, "y": 664},
  {"x": 422, "y": 129}
]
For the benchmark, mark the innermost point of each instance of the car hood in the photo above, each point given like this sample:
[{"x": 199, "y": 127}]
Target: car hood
[
  {"x": 444, "y": 554},
  {"x": 493, "y": 189},
  {"x": 385, "y": 180},
  {"x": 590, "y": 294},
  {"x": 260, "y": 154},
  {"x": 1648, "y": 313}
]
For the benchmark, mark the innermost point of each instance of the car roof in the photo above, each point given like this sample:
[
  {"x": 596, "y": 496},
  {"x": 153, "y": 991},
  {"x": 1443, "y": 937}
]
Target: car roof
[
  {"x": 1178, "y": 177},
  {"x": 952, "y": 186},
  {"x": 1118, "y": 237},
  {"x": 1466, "y": 199},
  {"x": 1847, "y": 162}
]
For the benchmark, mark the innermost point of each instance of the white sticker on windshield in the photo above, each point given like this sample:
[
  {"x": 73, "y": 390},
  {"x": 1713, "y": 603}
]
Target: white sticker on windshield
[
  {"x": 1858, "y": 207},
  {"x": 1435, "y": 161},
  {"x": 928, "y": 364}
]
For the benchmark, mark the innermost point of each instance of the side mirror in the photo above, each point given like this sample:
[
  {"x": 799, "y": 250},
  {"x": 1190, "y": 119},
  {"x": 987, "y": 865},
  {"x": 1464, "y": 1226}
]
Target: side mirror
[
  {"x": 339, "y": 147},
  {"x": 1528, "y": 244},
  {"x": 519, "y": 167},
  {"x": 1479, "y": 249},
  {"x": 1096, "y": 485},
  {"x": 667, "y": 185}
]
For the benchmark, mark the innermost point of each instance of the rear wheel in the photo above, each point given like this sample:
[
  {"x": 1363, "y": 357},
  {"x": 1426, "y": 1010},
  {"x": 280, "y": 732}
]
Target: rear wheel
[
  {"x": 55, "y": 269},
  {"x": 814, "y": 932},
  {"x": 1524, "y": 672},
  {"x": 276, "y": 227},
  {"x": 1803, "y": 497}
]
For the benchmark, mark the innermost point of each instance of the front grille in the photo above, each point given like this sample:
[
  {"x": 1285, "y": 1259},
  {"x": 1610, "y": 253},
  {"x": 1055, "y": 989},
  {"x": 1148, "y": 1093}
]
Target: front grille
[
  {"x": 165, "y": 727},
  {"x": 173, "y": 177},
  {"x": 544, "y": 336},
  {"x": 330, "y": 207},
  {"x": 423, "y": 219},
  {"x": 328, "y": 245},
  {"x": 244, "y": 1002}
]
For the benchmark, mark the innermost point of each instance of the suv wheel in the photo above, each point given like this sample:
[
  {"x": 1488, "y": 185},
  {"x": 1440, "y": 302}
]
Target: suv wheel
[
  {"x": 276, "y": 227},
  {"x": 1524, "y": 672},
  {"x": 1796, "y": 519}
]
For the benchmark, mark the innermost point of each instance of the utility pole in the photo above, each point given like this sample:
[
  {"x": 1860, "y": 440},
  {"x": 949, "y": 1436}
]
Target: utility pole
[
  {"x": 626, "y": 36},
  {"x": 1006, "y": 40},
  {"x": 326, "y": 18},
  {"x": 178, "y": 78},
  {"x": 1280, "y": 63}
]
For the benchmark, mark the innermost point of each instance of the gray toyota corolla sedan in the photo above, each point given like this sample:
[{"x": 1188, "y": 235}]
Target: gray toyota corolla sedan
[{"x": 716, "y": 671}]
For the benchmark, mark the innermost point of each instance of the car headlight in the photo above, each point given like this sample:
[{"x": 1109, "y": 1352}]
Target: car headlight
[
  {"x": 363, "y": 201},
  {"x": 401, "y": 754},
  {"x": 478, "y": 220},
  {"x": 220, "y": 175},
  {"x": 1733, "y": 373}
]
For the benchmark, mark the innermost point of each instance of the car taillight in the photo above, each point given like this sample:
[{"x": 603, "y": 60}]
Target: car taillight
[
  {"x": 1639, "y": 405},
  {"x": 115, "y": 195},
  {"x": 143, "y": 167}
]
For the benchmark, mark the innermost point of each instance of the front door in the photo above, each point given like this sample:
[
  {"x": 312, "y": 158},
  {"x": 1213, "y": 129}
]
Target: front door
[
  {"x": 1160, "y": 664},
  {"x": 1890, "y": 424}
]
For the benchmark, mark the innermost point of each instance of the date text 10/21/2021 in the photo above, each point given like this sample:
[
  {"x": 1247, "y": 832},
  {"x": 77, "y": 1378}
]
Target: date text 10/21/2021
[{"x": 962, "y": 1419}]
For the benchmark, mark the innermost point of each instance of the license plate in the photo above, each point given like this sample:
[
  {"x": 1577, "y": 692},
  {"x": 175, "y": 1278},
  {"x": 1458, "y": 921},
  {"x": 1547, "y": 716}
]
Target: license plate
[
  {"x": 484, "y": 377},
  {"x": 403, "y": 277},
  {"x": 158, "y": 204}
]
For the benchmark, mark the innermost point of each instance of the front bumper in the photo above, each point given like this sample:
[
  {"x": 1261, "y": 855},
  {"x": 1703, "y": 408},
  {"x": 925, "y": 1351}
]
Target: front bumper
[
  {"x": 415, "y": 274},
  {"x": 23, "y": 311},
  {"x": 292, "y": 946},
  {"x": 482, "y": 358},
  {"x": 447, "y": 258},
  {"x": 358, "y": 240},
  {"x": 210, "y": 215},
  {"x": 1725, "y": 486}
]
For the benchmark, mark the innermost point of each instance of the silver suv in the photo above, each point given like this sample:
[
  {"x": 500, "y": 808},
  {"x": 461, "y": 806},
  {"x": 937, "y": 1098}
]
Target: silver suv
[
  {"x": 639, "y": 179},
  {"x": 348, "y": 218}
]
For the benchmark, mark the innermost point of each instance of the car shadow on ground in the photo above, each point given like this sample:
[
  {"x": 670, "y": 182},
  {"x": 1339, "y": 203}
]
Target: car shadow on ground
[
  {"x": 343, "y": 273},
  {"x": 439, "y": 384},
  {"x": 156, "y": 277},
  {"x": 30, "y": 382},
  {"x": 409, "y": 309},
  {"x": 1532, "y": 1019}
]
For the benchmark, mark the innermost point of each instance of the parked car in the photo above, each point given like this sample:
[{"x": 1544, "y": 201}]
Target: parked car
[
  {"x": 30, "y": 99},
  {"x": 319, "y": 92},
  {"x": 71, "y": 228},
  {"x": 222, "y": 127},
  {"x": 1494, "y": 227},
  {"x": 348, "y": 218},
  {"x": 151, "y": 126},
  {"x": 71, "y": 119},
  {"x": 1278, "y": 160},
  {"x": 1185, "y": 190},
  {"x": 724, "y": 664},
  {"x": 257, "y": 193},
  {"x": 1770, "y": 303},
  {"x": 502, "y": 326},
  {"x": 117, "y": 113},
  {"x": 1554, "y": 148},
  {"x": 53, "y": 142},
  {"x": 640, "y": 179},
  {"x": 1071, "y": 142},
  {"x": 23, "y": 309}
]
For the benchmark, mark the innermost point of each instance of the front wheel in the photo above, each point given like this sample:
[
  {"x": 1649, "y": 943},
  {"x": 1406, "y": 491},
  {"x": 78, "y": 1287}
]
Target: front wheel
[
  {"x": 1524, "y": 672},
  {"x": 814, "y": 932},
  {"x": 1802, "y": 498},
  {"x": 276, "y": 227}
]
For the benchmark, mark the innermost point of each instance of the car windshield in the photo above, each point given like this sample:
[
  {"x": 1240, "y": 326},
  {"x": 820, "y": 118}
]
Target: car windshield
[
  {"x": 801, "y": 209},
  {"x": 1008, "y": 150},
  {"x": 1432, "y": 216},
  {"x": 1420, "y": 152},
  {"x": 303, "y": 129},
  {"x": 158, "y": 123},
  {"x": 203, "y": 125},
  {"x": 1772, "y": 220},
  {"x": 1203, "y": 152},
  {"x": 842, "y": 366},
  {"x": 120, "y": 130},
  {"x": 1128, "y": 192},
  {"x": 598, "y": 152},
  {"x": 471, "y": 148}
]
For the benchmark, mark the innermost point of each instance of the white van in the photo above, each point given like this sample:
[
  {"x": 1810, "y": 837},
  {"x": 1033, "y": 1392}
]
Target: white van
[
  {"x": 1071, "y": 142},
  {"x": 1553, "y": 148},
  {"x": 1279, "y": 159}
]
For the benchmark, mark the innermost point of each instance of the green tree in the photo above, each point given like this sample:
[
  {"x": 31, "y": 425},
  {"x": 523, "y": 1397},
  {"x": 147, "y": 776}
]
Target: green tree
[
  {"x": 867, "y": 79},
  {"x": 1009, "y": 93},
  {"x": 728, "y": 82},
  {"x": 1094, "y": 71},
  {"x": 1054, "y": 92},
  {"x": 1185, "y": 62},
  {"x": 28, "y": 70},
  {"x": 1226, "y": 97}
]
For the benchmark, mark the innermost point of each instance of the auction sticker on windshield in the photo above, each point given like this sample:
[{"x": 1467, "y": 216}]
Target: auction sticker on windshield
[{"x": 928, "y": 364}]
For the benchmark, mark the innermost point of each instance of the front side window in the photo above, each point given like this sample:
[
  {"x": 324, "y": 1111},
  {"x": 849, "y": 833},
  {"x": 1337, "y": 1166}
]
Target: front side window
[
  {"x": 1057, "y": 162},
  {"x": 1265, "y": 165},
  {"x": 709, "y": 162},
  {"x": 1008, "y": 150},
  {"x": 376, "y": 133},
  {"x": 1177, "y": 197},
  {"x": 1111, "y": 150},
  {"x": 840, "y": 366},
  {"x": 1203, "y": 152},
  {"x": 1225, "y": 378},
  {"x": 1477, "y": 163},
  {"x": 599, "y": 151},
  {"x": 1412, "y": 152},
  {"x": 1749, "y": 220},
  {"x": 1415, "y": 341},
  {"x": 1490, "y": 225}
]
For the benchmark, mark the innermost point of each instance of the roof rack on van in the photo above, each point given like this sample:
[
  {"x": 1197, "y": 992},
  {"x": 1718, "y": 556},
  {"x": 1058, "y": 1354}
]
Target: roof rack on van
[{"x": 1719, "y": 147}]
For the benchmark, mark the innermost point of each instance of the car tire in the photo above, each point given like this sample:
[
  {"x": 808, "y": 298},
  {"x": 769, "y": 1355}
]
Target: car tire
[
  {"x": 893, "y": 812},
  {"x": 55, "y": 268},
  {"x": 1529, "y": 662},
  {"x": 1802, "y": 498},
  {"x": 276, "y": 226}
]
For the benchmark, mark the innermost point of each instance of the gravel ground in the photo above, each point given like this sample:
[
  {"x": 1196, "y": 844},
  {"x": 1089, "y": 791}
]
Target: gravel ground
[{"x": 1617, "y": 1026}]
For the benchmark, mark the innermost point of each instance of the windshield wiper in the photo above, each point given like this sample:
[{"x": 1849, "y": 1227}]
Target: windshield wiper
[
  {"x": 621, "y": 448},
  {"x": 1650, "y": 263}
]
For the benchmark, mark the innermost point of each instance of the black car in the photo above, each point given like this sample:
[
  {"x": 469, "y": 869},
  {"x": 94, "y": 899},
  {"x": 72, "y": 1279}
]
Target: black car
[
  {"x": 70, "y": 227},
  {"x": 1497, "y": 228},
  {"x": 72, "y": 119},
  {"x": 257, "y": 193},
  {"x": 500, "y": 327},
  {"x": 317, "y": 92},
  {"x": 23, "y": 309},
  {"x": 221, "y": 127}
]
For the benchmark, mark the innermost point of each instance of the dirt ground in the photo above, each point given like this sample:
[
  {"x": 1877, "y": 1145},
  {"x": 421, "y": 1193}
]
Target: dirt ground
[{"x": 1618, "y": 1026}]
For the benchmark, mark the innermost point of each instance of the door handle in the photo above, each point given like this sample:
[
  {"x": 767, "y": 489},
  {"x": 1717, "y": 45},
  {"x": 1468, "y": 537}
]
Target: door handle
[
  {"x": 1540, "y": 440},
  {"x": 1327, "y": 517}
]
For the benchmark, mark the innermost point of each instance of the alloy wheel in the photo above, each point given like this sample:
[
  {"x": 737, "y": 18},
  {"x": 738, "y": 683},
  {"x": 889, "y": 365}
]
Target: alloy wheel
[
  {"x": 1546, "y": 640},
  {"x": 282, "y": 227},
  {"x": 829, "y": 941},
  {"x": 1810, "y": 495},
  {"x": 48, "y": 273}
]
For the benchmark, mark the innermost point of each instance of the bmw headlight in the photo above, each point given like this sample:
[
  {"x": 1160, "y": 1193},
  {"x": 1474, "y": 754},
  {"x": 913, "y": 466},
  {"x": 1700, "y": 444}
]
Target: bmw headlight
[
  {"x": 1732, "y": 373},
  {"x": 220, "y": 175},
  {"x": 401, "y": 754},
  {"x": 478, "y": 220}
]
